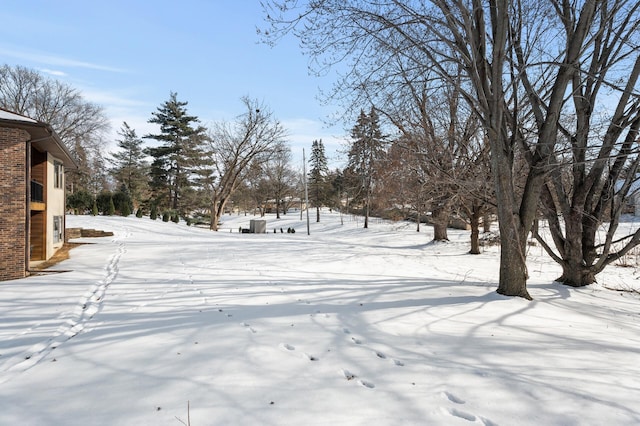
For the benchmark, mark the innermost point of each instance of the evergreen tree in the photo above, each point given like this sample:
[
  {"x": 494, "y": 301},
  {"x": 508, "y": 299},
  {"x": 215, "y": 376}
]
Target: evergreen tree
[
  {"x": 122, "y": 201},
  {"x": 365, "y": 154},
  {"x": 173, "y": 159},
  {"x": 112, "y": 207},
  {"x": 318, "y": 176},
  {"x": 129, "y": 167}
]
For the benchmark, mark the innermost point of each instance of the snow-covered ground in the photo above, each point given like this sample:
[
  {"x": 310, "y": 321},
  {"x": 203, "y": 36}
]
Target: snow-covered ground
[{"x": 163, "y": 324}]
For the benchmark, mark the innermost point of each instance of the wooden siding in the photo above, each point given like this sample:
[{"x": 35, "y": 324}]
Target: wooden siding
[{"x": 38, "y": 235}]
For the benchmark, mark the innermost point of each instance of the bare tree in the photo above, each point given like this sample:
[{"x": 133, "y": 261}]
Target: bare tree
[
  {"x": 597, "y": 150},
  {"x": 81, "y": 125},
  {"x": 280, "y": 175},
  {"x": 518, "y": 95},
  {"x": 234, "y": 147}
]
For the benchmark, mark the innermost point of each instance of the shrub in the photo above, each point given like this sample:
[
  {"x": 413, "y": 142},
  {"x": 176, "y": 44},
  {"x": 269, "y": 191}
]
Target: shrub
[{"x": 81, "y": 201}]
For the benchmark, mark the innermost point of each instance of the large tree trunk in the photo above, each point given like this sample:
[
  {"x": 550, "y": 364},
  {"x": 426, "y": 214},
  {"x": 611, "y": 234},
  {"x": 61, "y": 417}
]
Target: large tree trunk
[
  {"x": 513, "y": 267},
  {"x": 576, "y": 274},
  {"x": 440, "y": 232},
  {"x": 513, "y": 216},
  {"x": 577, "y": 257},
  {"x": 440, "y": 217},
  {"x": 217, "y": 206}
]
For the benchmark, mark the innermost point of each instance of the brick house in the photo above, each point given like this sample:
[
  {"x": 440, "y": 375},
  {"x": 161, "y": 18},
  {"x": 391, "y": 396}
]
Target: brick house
[{"x": 32, "y": 194}]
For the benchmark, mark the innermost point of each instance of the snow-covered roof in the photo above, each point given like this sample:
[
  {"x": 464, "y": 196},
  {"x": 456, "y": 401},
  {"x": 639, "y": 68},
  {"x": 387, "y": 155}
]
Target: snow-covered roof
[
  {"x": 8, "y": 115},
  {"x": 43, "y": 137}
]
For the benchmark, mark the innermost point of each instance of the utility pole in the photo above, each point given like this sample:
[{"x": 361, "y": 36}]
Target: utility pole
[{"x": 306, "y": 190}]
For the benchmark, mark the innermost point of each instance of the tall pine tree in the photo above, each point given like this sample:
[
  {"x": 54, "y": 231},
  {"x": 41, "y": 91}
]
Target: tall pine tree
[
  {"x": 129, "y": 167},
  {"x": 318, "y": 176},
  {"x": 173, "y": 159},
  {"x": 368, "y": 148}
]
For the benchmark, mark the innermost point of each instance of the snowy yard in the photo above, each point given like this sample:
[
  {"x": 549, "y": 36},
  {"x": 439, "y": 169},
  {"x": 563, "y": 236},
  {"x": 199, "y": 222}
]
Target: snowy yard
[{"x": 346, "y": 326}]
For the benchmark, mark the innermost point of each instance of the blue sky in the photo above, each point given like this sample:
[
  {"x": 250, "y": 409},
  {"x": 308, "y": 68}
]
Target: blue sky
[{"x": 129, "y": 55}]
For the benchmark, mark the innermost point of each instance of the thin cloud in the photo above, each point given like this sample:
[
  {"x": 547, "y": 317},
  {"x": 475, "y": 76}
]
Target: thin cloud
[
  {"x": 54, "y": 73},
  {"x": 56, "y": 60}
]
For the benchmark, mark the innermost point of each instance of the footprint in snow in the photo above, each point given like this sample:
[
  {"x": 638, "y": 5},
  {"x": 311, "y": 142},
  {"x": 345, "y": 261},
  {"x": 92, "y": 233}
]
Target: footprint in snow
[
  {"x": 287, "y": 346},
  {"x": 356, "y": 340},
  {"x": 366, "y": 384},
  {"x": 461, "y": 414},
  {"x": 451, "y": 397},
  {"x": 380, "y": 354}
]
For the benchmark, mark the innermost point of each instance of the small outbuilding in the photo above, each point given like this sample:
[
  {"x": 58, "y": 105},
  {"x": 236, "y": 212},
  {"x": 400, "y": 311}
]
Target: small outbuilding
[{"x": 258, "y": 226}]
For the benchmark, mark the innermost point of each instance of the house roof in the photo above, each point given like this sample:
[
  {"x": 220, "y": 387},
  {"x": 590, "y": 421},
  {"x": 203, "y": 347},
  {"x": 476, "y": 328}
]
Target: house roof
[{"x": 43, "y": 137}]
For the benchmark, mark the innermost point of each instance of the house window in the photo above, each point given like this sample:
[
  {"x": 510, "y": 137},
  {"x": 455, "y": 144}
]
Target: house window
[
  {"x": 58, "y": 174},
  {"x": 57, "y": 229}
]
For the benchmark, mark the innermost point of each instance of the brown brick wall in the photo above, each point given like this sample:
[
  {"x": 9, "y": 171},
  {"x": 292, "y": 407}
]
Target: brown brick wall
[{"x": 13, "y": 203}]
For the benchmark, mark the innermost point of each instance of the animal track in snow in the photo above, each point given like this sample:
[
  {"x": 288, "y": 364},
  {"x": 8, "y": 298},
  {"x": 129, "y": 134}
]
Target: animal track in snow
[
  {"x": 381, "y": 355},
  {"x": 244, "y": 324},
  {"x": 351, "y": 376},
  {"x": 356, "y": 340},
  {"x": 310, "y": 357},
  {"x": 348, "y": 375}
]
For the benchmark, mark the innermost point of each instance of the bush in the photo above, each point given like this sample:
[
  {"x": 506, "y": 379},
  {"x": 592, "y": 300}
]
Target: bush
[
  {"x": 139, "y": 213},
  {"x": 165, "y": 216},
  {"x": 175, "y": 218},
  {"x": 104, "y": 200},
  {"x": 81, "y": 201},
  {"x": 154, "y": 212},
  {"x": 122, "y": 201}
]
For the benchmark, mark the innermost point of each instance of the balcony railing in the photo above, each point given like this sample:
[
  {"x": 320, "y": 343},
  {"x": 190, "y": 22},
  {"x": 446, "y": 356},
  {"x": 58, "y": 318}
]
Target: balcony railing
[{"x": 37, "y": 192}]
